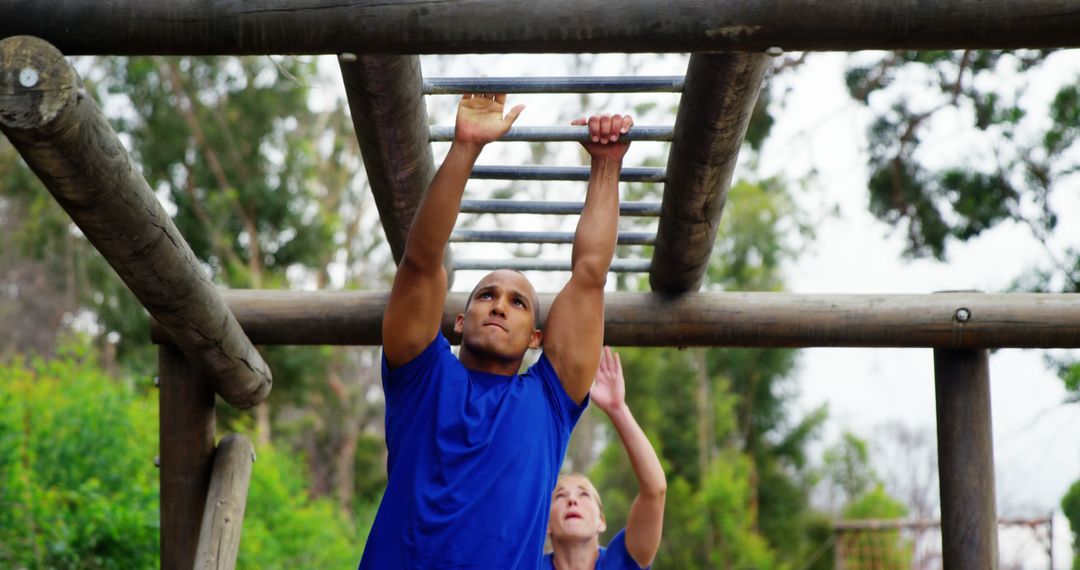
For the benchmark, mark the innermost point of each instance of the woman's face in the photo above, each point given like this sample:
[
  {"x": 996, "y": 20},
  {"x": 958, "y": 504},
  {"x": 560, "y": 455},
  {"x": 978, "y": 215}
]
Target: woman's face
[{"x": 575, "y": 509}]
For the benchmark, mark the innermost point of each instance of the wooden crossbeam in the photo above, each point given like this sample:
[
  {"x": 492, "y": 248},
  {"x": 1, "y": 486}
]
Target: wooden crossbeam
[
  {"x": 718, "y": 99},
  {"x": 946, "y": 320},
  {"x": 64, "y": 138},
  {"x": 129, "y": 27}
]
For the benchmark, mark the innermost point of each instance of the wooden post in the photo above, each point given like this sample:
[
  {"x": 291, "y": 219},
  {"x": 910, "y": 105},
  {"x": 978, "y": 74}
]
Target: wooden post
[
  {"x": 966, "y": 460},
  {"x": 954, "y": 320},
  {"x": 187, "y": 452},
  {"x": 64, "y": 137},
  {"x": 223, "y": 519},
  {"x": 196, "y": 27},
  {"x": 719, "y": 97}
]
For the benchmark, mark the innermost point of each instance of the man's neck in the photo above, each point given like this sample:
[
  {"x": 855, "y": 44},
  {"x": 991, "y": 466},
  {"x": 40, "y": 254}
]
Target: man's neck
[
  {"x": 576, "y": 554},
  {"x": 488, "y": 364}
]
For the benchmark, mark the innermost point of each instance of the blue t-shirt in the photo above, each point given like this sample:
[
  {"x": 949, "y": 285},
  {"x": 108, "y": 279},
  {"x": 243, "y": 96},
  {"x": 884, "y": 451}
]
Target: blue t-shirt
[
  {"x": 472, "y": 459},
  {"x": 614, "y": 557}
]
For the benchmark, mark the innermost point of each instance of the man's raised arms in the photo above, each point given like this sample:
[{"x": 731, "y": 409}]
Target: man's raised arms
[{"x": 414, "y": 311}]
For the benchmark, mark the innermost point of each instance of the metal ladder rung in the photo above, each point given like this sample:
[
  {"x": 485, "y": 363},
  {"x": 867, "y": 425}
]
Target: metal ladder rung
[
  {"x": 559, "y": 134},
  {"x": 639, "y": 209},
  {"x": 507, "y": 236},
  {"x": 521, "y": 264},
  {"x": 580, "y": 84},
  {"x": 575, "y": 173}
]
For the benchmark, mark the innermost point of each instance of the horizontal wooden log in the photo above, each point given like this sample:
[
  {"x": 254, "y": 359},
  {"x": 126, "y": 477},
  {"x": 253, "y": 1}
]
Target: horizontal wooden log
[
  {"x": 128, "y": 27},
  {"x": 718, "y": 99},
  {"x": 65, "y": 139},
  {"x": 957, "y": 320},
  {"x": 223, "y": 519}
]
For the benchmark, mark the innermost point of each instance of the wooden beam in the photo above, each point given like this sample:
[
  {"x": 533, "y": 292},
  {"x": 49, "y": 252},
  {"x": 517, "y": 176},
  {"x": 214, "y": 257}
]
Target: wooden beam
[
  {"x": 955, "y": 320},
  {"x": 186, "y": 436},
  {"x": 64, "y": 137},
  {"x": 969, "y": 537},
  {"x": 391, "y": 124},
  {"x": 129, "y": 27},
  {"x": 226, "y": 500},
  {"x": 719, "y": 97}
]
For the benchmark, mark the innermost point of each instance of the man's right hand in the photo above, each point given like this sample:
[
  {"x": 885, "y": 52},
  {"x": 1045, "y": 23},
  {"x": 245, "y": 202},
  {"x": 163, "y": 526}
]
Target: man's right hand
[
  {"x": 604, "y": 132},
  {"x": 480, "y": 118}
]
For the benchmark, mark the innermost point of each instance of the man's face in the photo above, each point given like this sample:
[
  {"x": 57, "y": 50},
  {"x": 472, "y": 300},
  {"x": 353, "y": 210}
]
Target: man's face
[
  {"x": 575, "y": 510},
  {"x": 500, "y": 319}
]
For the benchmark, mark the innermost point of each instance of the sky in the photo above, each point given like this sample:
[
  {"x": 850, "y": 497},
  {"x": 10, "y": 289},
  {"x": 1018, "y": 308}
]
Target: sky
[{"x": 818, "y": 144}]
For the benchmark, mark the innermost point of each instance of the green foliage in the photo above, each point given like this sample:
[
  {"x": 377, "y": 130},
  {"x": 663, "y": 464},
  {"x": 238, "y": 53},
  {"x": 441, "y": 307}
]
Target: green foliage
[
  {"x": 886, "y": 546},
  {"x": 285, "y": 528},
  {"x": 847, "y": 467},
  {"x": 1070, "y": 506},
  {"x": 79, "y": 489},
  {"x": 935, "y": 202}
]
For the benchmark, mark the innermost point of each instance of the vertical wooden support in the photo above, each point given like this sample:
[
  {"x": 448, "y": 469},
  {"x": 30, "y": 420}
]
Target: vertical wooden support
[
  {"x": 223, "y": 518},
  {"x": 966, "y": 460},
  {"x": 187, "y": 451}
]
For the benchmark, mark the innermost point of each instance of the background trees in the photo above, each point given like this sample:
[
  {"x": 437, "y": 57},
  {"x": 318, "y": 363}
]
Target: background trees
[{"x": 257, "y": 159}]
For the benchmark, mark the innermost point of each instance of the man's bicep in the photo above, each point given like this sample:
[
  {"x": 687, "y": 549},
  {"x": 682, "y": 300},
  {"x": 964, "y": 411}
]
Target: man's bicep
[
  {"x": 413, "y": 313},
  {"x": 574, "y": 335}
]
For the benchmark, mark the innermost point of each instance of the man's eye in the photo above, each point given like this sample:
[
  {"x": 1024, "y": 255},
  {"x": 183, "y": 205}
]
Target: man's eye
[{"x": 519, "y": 303}]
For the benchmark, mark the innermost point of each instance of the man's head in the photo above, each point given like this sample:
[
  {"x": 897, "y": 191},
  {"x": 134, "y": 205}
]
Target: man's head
[
  {"x": 576, "y": 510},
  {"x": 500, "y": 317}
]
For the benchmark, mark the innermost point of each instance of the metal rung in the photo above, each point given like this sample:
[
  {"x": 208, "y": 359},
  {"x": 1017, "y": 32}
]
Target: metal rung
[
  {"x": 504, "y": 236},
  {"x": 555, "y": 134},
  {"x": 459, "y": 85},
  {"x": 640, "y": 209},
  {"x": 578, "y": 173},
  {"x": 520, "y": 264}
]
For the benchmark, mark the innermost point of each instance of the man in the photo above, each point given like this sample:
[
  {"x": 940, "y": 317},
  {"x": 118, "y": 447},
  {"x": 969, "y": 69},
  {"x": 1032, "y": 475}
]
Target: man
[{"x": 474, "y": 447}]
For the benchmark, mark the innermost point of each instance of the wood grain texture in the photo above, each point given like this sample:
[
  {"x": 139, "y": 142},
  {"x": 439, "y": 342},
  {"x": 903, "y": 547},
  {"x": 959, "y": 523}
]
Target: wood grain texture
[
  {"x": 714, "y": 111},
  {"x": 226, "y": 500},
  {"x": 129, "y": 27},
  {"x": 1022, "y": 320},
  {"x": 65, "y": 139}
]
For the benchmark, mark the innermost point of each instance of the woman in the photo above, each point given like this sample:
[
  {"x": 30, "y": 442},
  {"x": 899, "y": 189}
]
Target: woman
[{"x": 577, "y": 515}]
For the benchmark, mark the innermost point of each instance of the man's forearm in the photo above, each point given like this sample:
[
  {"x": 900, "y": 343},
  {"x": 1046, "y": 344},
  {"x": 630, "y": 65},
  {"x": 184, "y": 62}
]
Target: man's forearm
[
  {"x": 438, "y": 210},
  {"x": 597, "y": 230}
]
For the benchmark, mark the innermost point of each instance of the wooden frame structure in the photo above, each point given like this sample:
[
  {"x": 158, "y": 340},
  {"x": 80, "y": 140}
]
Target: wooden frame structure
[{"x": 207, "y": 337}]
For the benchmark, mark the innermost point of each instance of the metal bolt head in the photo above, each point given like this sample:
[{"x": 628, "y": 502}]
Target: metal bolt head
[
  {"x": 28, "y": 77},
  {"x": 963, "y": 315},
  {"x": 774, "y": 51},
  {"x": 348, "y": 57},
  {"x": 157, "y": 461}
]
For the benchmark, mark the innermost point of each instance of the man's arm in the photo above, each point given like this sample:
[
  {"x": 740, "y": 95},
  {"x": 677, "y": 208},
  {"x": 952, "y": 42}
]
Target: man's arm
[
  {"x": 645, "y": 524},
  {"x": 574, "y": 330},
  {"x": 414, "y": 312}
]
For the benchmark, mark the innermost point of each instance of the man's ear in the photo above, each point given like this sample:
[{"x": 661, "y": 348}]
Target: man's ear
[
  {"x": 459, "y": 323},
  {"x": 537, "y": 338}
]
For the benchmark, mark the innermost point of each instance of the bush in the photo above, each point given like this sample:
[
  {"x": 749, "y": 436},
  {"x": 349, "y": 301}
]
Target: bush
[{"x": 78, "y": 487}]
